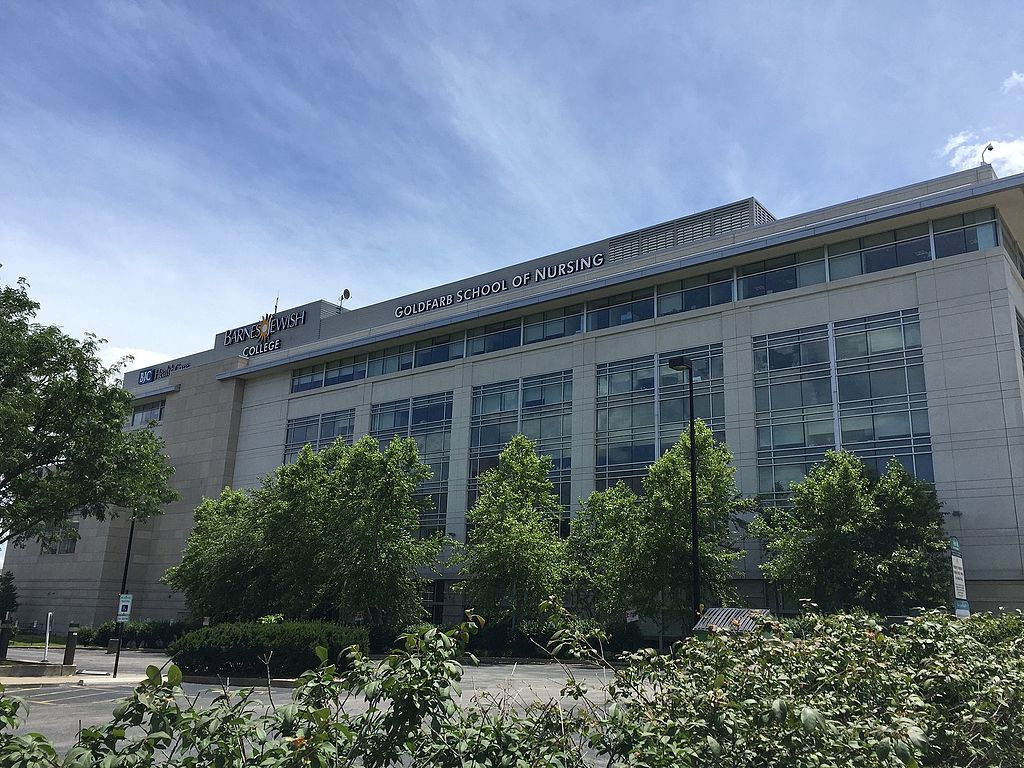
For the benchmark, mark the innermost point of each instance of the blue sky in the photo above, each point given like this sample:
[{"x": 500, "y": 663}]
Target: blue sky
[{"x": 166, "y": 169}]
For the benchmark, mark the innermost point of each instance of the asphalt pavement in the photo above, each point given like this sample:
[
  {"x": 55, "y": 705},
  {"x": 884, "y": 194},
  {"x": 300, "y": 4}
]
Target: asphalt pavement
[{"x": 59, "y": 709}]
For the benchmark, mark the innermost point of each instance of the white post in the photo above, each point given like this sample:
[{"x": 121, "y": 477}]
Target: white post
[{"x": 46, "y": 643}]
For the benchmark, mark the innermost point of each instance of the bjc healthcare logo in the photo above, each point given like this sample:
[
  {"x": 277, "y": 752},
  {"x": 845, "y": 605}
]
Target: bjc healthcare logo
[{"x": 147, "y": 376}]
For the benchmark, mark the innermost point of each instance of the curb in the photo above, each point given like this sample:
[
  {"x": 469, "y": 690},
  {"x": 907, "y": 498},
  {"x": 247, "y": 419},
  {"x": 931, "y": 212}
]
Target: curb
[{"x": 246, "y": 682}]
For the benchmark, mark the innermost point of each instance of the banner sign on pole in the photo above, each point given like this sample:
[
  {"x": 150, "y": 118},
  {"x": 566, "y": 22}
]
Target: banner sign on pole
[{"x": 960, "y": 604}]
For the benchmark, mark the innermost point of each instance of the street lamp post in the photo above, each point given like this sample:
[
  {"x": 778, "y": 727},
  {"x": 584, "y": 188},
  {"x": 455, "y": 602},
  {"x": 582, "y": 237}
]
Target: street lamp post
[{"x": 679, "y": 364}]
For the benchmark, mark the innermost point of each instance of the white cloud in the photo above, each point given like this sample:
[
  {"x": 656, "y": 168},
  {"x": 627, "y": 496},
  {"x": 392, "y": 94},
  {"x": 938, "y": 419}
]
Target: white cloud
[
  {"x": 1015, "y": 80},
  {"x": 963, "y": 151}
]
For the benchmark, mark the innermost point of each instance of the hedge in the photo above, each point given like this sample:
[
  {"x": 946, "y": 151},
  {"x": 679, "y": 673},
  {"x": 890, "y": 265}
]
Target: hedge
[
  {"x": 244, "y": 648},
  {"x": 143, "y": 634}
]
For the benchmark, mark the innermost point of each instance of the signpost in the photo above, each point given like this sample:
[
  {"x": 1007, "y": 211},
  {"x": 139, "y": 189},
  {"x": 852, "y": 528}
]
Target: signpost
[
  {"x": 124, "y": 608},
  {"x": 960, "y": 604}
]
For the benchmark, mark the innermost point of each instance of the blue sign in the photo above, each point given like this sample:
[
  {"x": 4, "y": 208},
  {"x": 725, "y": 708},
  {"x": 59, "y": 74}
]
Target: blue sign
[{"x": 147, "y": 376}]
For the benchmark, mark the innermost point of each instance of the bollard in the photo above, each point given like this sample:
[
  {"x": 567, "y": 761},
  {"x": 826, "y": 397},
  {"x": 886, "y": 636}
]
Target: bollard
[
  {"x": 72, "y": 643},
  {"x": 6, "y": 633}
]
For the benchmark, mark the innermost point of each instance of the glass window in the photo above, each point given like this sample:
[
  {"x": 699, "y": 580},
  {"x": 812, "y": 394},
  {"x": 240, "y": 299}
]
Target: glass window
[
  {"x": 878, "y": 259},
  {"x": 817, "y": 391},
  {"x": 553, "y": 324},
  {"x": 889, "y": 425},
  {"x": 913, "y": 251},
  {"x": 820, "y": 433},
  {"x": 494, "y": 337},
  {"x": 620, "y": 310},
  {"x": 311, "y": 377},
  {"x": 786, "y": 396},
  {"x": 148, "y": 413},
  {"x": 950, "y": 243},
  {"x": 440, "y": 349},
  {"x": 855, "y": 386},
  {"x": 844, "y": 266},
  {"x": 857, "y": 429},
  {"x": 345, "y": 370}
]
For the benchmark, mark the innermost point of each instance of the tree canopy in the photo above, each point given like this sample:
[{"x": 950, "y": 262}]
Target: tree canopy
[
  {"x": 329, "y": 536},
  {"x": 514, "y": 556},
  {"x": 630, "y": 552},
  {"x": 63, "y": 444},
  {"x": 850, "y": 539}
]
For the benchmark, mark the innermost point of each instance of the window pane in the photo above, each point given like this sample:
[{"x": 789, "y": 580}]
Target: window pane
[
  {"x": 814, "y": 351},
  {"x": 784, "y": 356},
  {"x": 950, "y": 244},
  {"x": 817, "y": 391},
  {"x": 851, "y": 345},
  {"x": 751, "y": 286},
  {"x": 888, "y": 383},
  {"x": 786, "y": 396},
  {"x": 720, "y": 293},
  {"x": 885, "y": 340},
  {"x": 780, "y": 280},
  {"x": 857, "y": 429},
  {"x": 913, "y": 251},
  {"x": 915, "y": 378},
  {"x": 854, "y": 386},
  {"x": 877, "y": 259},
  {"x": 819, "y": 433},
  {"x": 888, "y": 425},
  {"x": 788, "y": 435},
  {"x": 844, "y": 266},
  {"x": 812, "y": 273}
]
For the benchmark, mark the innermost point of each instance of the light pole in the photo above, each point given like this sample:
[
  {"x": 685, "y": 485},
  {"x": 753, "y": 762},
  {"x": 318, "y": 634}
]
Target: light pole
[{"x": 681, "y": 363}]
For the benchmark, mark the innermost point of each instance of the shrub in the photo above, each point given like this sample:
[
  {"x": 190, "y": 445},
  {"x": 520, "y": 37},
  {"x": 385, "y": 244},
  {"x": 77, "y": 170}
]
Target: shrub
[
  {"x": 240, "y": 649},
  {"x": 86, "y": 636},
  {"x": 143, "y": 634},
  {"x": 845, "y": 694}
]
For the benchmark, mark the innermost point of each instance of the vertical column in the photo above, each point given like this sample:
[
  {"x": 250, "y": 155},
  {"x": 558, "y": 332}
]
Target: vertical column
[
  {"x": 584, "y": 426},
  {"x": 458, "y": 465}
]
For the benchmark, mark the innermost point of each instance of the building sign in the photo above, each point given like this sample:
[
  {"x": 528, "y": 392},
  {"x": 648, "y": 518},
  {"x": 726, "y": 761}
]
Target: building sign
[
  {"x": 150, "y": 375},
  {"x": 260, "y": 333},
  {"x": 469, "y": 293},
  {"x": 962, "y": 607}
]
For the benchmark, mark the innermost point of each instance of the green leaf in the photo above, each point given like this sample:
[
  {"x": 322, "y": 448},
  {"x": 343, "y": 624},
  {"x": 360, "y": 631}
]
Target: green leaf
[
  {"x": 811, "y": 719},
  {"x": 716, "y": 748},
  {"x": 153, "y": 674},
  {"x": 917, "y": 737},
  {"x": 780, "y": 710},
  {"x": 174, "y": 675},
  {"x": 321, "y": 653}
]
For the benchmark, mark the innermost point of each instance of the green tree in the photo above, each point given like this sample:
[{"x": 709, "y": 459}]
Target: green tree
[
  {"x": 514, "y": 556},
  {"x": 850, "y": 539},
  {"x": 329, "y": 535},
  {"x": 8, "y": 594},
  {"x": 634, "y": 552},
  {"x": 226, "y": 570},
  {"x": 63, "y": 444}
]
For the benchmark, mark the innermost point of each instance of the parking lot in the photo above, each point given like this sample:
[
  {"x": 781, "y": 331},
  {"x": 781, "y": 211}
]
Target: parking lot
[{"x": 60, "y": 710}]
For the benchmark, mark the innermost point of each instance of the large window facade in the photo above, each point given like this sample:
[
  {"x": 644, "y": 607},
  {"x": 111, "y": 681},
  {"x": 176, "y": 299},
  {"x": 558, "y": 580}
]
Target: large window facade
[
  {"x": 318, "y": 431},
  {"x": 428, "y": 420},
  {"x": 856, "y": 384},
  {"x": 643, "y": 407},
  {"x": 929, "y": 240},
  {"x": 539, "y": 407}
]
